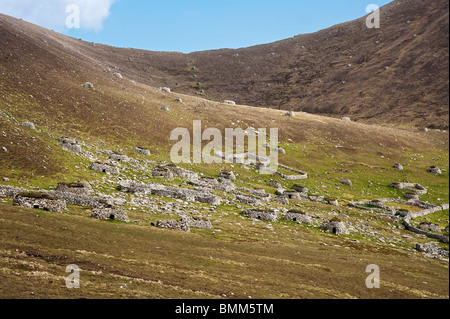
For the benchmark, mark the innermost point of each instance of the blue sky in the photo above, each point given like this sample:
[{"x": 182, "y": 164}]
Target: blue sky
[{"x": 194, "y": 25}]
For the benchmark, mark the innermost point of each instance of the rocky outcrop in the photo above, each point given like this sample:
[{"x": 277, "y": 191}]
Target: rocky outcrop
[
  {"x": 432, "y": 250},
  {"x": 70, "y": 144}
]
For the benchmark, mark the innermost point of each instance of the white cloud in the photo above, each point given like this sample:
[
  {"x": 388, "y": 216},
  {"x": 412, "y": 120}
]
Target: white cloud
[{"x": 52, "y": 14}]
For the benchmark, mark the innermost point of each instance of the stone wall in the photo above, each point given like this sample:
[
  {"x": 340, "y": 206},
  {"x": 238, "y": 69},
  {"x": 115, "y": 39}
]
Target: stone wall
[
  {"x": 172, "y": 192},
  {"x": 52, "y": 205},
  {"x": 180, "y": 225},
  {"x": 408, "y": 226},
  {"x": 196, "y": 222},
  {"x": 80, "y": 188}
]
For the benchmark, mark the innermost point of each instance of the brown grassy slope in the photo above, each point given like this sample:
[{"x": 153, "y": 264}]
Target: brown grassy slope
[
  {"x": 309, "y": 72},
  {"x": 41, "y": 77}
]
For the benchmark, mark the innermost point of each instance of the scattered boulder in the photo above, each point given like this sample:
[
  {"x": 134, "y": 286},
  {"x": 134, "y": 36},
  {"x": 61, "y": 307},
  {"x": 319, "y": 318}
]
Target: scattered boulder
[
  {"x": 435, "y": 170},
  {"x": 279, "y": 150},
  {"x": 423, "y": 129},
  {"x": 346, "y": 119},
  {"x": 110, "y": 213},
  {"x": 165, "y": 108},
  {"x": 290, "y": 113},
  {"x": 180, "y": 225},
  {"x": 88, "y": 85},
  {"x": 179, "y": 100},
  {"x": 346, "y": 181},
  {"x": 5, "y": 179},
  {"x": 30, "y": 125},
  {"x": 229, "y": 102},
  {"x": 117, "y": 74},
  {"x": 398, "y": 167},
  {"x": 143, "y": 151},
  {"x": 165, "y": 89}
]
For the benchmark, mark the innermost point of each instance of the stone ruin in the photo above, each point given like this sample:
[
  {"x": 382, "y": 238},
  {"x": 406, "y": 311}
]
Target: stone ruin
[
  {"x": 300, "y": 188},
  {"x": 104, "y": 168},
  {"x": 267, "y": 215},
  {"x": 40, "y": 201},
  {"x": 297, "y": 216},
  {"x": 80, "y": 188},
  {"x": 249, "y": 200},
  {"x": 410, "y": 187},
  {"x": 110, "y": 213},
  {"x": 274, "y": 184},
  {"x": 227, "y": 175},
  {"x": 180, "y": 225},
  {"x": 171, "y": 170},
  {"x": 201, "y": 196},
  {"x": 119, "y": 158},
  {"x": 283, "y": 200},
  {"x": 336, "y": 227},
  {"x": 143, "y": 151},
  {"x": 70, "y": 144}
]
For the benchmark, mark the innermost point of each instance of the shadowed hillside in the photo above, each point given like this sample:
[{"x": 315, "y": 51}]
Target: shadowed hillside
[{"x": 397, "y": 74}]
